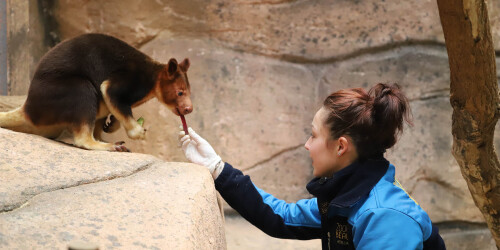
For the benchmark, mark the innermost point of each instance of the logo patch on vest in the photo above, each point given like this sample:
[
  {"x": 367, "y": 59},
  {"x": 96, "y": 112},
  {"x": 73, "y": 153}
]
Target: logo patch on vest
[{"x": 340, "y": 233}]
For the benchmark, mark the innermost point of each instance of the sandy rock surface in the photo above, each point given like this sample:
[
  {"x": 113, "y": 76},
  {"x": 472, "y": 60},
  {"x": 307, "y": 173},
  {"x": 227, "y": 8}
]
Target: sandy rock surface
[{"x": 52, "y": 194}]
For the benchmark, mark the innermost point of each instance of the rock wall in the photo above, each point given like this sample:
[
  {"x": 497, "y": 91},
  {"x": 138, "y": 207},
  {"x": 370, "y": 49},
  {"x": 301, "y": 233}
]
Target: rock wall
[
  {"x": 260, "y": 69},
  {"x": 53, "y": 195}
]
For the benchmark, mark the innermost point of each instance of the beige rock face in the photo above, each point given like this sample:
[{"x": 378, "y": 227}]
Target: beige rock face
[
  {"x": 53, "y": 194},
  {"x": 292, "y": 29},
  {"x": 285, "y": 175},
  {"x": 11, "y": 102},
  {"x": 421, "y": 71},
  {"x": 51, "y": 165}
]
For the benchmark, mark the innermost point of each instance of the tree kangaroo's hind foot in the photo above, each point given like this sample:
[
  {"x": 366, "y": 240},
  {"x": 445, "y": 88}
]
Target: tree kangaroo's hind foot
[{"x": 84, "y": 138}]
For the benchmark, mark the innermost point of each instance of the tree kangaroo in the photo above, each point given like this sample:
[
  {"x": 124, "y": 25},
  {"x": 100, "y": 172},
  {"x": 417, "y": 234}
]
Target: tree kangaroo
[{"x": 81, "y": 81}]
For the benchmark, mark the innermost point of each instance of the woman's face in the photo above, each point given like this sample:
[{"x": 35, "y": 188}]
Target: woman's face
[{"x": 323, "y": 153}]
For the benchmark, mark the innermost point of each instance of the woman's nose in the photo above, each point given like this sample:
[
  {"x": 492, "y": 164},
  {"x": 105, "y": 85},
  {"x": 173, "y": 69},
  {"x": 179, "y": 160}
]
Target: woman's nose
[{"x": 307, "y": 145}]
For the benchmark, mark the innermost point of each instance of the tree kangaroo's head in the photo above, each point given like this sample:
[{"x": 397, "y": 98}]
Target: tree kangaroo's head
[{"x": 172, "y": 87}]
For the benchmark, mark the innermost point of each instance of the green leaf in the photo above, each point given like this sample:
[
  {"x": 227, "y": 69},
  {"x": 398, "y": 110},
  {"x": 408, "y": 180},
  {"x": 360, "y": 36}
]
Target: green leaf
[{"x": 140, "y": 121}]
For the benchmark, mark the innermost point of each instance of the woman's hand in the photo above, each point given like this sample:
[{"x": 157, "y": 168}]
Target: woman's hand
[{"x": 198, "y": 150}]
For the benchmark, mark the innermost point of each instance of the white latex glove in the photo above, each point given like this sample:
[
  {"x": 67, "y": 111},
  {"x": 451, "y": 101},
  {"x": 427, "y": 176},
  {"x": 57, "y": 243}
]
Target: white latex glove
[{"x": 198, "y": 150}]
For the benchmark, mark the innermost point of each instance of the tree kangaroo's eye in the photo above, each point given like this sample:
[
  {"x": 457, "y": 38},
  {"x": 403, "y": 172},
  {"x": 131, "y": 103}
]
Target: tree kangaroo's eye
[{"x": 180, "y": 93}]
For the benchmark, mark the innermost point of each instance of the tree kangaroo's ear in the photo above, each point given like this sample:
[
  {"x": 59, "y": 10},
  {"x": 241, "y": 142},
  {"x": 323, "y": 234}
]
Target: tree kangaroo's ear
[
  {"x": 184, "y": 65},
  {"x": 171, "y": 68}
]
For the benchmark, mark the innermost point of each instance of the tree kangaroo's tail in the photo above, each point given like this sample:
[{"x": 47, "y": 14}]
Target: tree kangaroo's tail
[{"x": 13, "y": 118}]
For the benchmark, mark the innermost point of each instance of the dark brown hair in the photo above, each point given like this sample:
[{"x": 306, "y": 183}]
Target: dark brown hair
[{"x": 373, "y": 120}]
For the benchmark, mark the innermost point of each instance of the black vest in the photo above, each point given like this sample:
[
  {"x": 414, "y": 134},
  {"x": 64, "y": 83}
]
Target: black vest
[{"x": 346, "y": 188}]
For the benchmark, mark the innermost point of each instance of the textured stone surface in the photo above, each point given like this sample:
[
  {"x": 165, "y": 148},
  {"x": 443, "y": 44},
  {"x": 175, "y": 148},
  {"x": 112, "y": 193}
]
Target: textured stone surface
[
  {"x": 168, "y": 206},
  {"x": 285, "y": 175},
  {"x": 31, "y": 165},
  {"x": 11, "y": 102},
  {"x": 421, "y": 71},
  {"x": 53, "y": 194},
  {"x": 241, "y": 235},
  {"x": 466, "y": 236},
  {"x": 320, "y": 29},
  {"x": 293, "y": 29}
]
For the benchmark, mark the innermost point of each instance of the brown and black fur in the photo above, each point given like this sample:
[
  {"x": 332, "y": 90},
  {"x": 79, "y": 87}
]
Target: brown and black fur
[{"x": 79, "y": 82}]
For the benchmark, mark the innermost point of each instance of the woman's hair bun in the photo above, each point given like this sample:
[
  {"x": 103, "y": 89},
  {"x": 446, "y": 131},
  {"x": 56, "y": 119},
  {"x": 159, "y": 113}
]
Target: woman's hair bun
[{"x": 390, "y": 109}]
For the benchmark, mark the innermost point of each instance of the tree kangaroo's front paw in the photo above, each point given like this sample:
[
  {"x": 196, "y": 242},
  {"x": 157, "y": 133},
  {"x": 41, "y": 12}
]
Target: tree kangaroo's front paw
[
  {"x": 118, "y": 146},
  {"x": 138, "y": 132}
]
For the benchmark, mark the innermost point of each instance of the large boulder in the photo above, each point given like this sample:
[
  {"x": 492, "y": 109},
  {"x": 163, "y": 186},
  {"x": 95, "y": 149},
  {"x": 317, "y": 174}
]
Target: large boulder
[{"x": 53, "y": 194}]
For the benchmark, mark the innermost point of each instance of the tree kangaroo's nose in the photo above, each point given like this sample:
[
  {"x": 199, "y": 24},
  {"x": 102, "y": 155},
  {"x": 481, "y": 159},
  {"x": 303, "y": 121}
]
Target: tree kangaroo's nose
[{"x": 188, "y": 110}]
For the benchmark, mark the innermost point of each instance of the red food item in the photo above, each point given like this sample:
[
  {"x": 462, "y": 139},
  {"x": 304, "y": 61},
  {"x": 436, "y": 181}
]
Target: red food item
[{"x": 184, "y": 125}]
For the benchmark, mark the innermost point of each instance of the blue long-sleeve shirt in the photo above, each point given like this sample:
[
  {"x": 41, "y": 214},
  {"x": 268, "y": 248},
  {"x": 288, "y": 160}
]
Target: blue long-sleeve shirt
[{"x": 361, "y": 207}]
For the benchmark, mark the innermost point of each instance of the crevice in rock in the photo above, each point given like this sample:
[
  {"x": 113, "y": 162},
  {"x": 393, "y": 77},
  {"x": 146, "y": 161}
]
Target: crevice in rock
[
  {"x": 274, "y": 156},
  {"x": 447, "y": 186},
  {"x": 435, "y": 94},
  {"x": 223, "y": 30},
  {"x": 357, "y": 53},
  {"x": 266, "y": 2},
  {"x": 453, "y": 226},
  {"x": 361, "y": 52},
  {"x": 15, "y": 207}
]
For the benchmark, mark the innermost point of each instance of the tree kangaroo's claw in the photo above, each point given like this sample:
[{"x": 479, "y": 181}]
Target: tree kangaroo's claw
[{"x": 119, "y": 147}]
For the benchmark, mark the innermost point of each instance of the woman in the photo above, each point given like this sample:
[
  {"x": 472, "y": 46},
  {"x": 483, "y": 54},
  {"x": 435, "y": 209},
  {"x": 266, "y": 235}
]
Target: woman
[{"x": 358, "y": 204}]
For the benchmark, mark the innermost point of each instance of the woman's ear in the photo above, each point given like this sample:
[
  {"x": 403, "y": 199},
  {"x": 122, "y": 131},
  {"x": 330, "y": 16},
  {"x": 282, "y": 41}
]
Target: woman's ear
[{"x": 343, "y": 145}]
